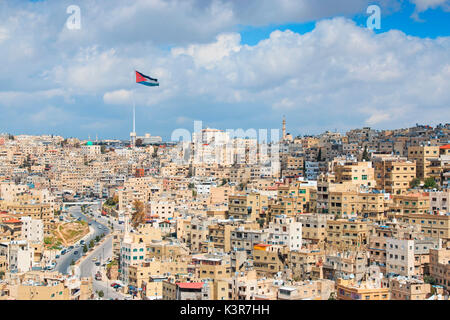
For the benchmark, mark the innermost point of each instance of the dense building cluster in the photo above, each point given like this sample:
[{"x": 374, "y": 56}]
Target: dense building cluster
[{"x": 357, "y": 216}]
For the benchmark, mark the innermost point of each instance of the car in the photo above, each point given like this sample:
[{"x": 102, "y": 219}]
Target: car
[
  {"x": 97, "y": 263},
  {"x": 82, "y": 242},
  {"x": 76, "y": 252},
  {"x": 71, "y": 247},
  {"x": 63, "y": 252},
  {"x": 94, "y": 259},
  {"x": 57, "y": 256}
]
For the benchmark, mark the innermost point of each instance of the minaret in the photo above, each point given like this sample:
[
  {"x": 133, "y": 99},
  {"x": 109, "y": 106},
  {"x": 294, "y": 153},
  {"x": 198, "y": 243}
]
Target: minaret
[
  {"x": 126, "y": 232},
  {"x": 284, "y": 128},
  {"x": 133, "y": 133}
]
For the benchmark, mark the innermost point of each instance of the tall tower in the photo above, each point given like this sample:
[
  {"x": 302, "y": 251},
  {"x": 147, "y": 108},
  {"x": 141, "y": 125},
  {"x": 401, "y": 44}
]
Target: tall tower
[
  {"x": 133, "y": 133},
  {"x": 284, "y": 128}
]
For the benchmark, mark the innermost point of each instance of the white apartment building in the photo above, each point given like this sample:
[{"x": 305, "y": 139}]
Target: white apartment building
[
  {"x": 131, "y": 254},
  {"x": 164, "y": 209},
  {"x": 91, "y": 150},
  {"x": 19, "y": 255},
  {"x": 400, "y": 257},
  {"x": 32, "y": 229},
  {"x": 285, "y": 230}
]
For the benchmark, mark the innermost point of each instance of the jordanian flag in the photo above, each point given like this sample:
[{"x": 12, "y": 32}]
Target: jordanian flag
[{"x": 146, "y": 80}]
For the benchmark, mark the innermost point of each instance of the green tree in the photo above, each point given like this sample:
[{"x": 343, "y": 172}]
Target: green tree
[
  {"x": 85, "y": 248},
  {"x": 261, "y": 222},
  {"x": 101, "y": 294},
  {"x": 429, "y": 279},
  {"x": 319, "y": 155},
  {"x": 332, "y": 296},
  {"x": 430, "y": 183},
  {"x": 365, "y": 155},
  {"x": 415, "y": 183},
  {"x": 2, "y": 274},
  {"x": 72, "y": 262},
  {"x": 97, "y": 238},
  {"x": 91, "y": 244}
]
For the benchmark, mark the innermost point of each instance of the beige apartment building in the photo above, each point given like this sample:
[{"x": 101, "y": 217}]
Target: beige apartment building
[
  {"x": 314, "y": 227},
  {"x": 422, "y": 155},
  {"x": 409, "y": 289},
  {"x": 440, "y": 266},
  {"x": 410, "y": 203},
  {"x": 440, "y": 201},
  {"x": 347, "y": 233},
  {"x": 248, "y": 207},
  {"x": 350, "y": 290},
  {"x": 306, "y": 263},
  {"x": 394, "y": 175},
  {"x": 432, "y": 225},
  {"x": 269, "y": 259},
  {"x": 359, "y": 173},
  {"x": 320, "y": 289}
]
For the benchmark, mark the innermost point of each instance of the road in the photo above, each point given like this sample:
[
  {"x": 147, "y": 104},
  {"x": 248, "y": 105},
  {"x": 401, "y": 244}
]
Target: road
[
  {"x": 101, "y": 252},
  {"x": 63, "y": 263}
]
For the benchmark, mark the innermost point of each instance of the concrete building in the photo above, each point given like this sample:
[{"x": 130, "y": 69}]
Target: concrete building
[{"x": 400, "y": 257}]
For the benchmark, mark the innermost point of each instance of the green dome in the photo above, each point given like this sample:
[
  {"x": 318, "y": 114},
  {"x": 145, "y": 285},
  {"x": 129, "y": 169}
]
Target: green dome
[{"x": 89, "y": 143}]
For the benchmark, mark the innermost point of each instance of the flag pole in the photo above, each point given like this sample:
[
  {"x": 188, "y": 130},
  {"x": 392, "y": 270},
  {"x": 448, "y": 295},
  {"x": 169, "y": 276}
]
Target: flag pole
[{"x": 133, "y": 134}]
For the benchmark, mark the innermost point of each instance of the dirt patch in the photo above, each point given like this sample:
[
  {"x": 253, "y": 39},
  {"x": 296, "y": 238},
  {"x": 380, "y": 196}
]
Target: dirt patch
[{"x": 69, "y": 233}]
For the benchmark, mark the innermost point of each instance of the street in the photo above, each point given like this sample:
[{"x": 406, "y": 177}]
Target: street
[
  {"x": 63, "y": 263},
  {"x": 102, "y": 253}
]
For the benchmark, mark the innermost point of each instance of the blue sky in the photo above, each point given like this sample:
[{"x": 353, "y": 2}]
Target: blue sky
[{"x": 230, "y": 64}]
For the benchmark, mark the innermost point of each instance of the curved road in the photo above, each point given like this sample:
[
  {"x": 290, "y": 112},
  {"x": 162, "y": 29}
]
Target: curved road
[
  {"x": 101, "y": 252},
  {"x": 63, "y": 263}
]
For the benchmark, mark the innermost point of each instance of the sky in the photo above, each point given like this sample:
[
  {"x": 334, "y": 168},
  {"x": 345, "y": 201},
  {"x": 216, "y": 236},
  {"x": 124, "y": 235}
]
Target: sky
[{"x": 230, "y": 64}]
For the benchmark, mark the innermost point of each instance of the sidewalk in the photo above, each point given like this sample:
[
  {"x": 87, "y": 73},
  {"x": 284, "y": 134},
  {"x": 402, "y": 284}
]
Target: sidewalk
[{"x": 92, "y": 250}]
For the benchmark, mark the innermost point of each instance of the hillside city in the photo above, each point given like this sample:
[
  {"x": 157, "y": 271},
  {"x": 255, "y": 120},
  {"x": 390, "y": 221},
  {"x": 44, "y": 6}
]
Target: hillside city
[{"x": 361, "y": 215}]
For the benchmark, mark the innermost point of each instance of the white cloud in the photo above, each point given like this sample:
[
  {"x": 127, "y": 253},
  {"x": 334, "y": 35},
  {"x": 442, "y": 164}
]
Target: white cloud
[
  {"x": 423, "y": 5},
  {"x": 208, "y": 55},
  {"x": 284, "y": 104},
  {"x": 4, "y": 34},
  {"x": 337, "y": 75},
  {"x": 121, "y": 97},
  {"x": 50, "y": 116}
]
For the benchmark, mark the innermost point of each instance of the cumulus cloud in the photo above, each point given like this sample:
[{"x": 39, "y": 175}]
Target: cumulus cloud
[
  {"x": 337, "y": 76},
  {"x": 120, "y": 97},
  {"x": 423, "y": 5}
]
